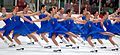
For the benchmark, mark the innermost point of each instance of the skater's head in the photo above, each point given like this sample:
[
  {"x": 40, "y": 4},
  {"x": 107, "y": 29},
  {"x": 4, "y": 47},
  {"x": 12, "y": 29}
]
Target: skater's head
[
  {"x": 105, "y": 15},
  {"x": 96, "y": 13},
  {"x": 16, "y": 9},
  {"x": 55, "y": 8},
  {"x": 61, "y": 10},
  {"x": 88, "y": 15},
  {"x": 69, "y": 12},
  {"x": 3, "y": 10},
  {"x": 43, "y": 7},
  {"x": 51, "y": 11},
  {"x": 26, "y": 8},
  {"x": 84, "y": 11}
]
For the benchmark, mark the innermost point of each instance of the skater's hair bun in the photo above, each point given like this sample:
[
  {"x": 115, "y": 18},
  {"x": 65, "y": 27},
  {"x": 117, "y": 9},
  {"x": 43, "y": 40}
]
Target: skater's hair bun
[
  {"x": 68, "y": 11},
  {"x": 104, "y": 13},
  {"x": 42, "y": 6},
  {"x": 50, "y": 10},
  {"x": 60, "y": 8}
]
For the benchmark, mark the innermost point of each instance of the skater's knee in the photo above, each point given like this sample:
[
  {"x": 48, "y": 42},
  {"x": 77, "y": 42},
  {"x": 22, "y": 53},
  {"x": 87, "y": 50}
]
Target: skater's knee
[
  {"x": 53, "y": 37},
  {"x": 110, "y": 38},
  {"x": 36, "y": 40},
  {"x": 89, "y": 39},
  {"x": 14, "y": 37},
  {"x": 60, "y": 36}
]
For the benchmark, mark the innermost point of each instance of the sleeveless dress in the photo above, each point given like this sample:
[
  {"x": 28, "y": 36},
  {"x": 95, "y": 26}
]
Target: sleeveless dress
[
  {"x": 57, "y": 28},
  {"x": 110, "y": 27},
  {"x": 19, "y": 27},
  {"x": 45, "y": 25},
  {"x": 32, "y": 27}
]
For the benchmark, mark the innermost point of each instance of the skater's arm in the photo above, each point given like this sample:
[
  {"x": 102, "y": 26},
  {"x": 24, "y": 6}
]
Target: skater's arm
[
  {"x": 80, "y": 21},
  {"x": 8, "y": 15},
  {"x": 35, "y": 13},
  {"x": 43, "y": 19},
  {"x": 24, "y": 18},
  {"x": 1, "y": 18}
]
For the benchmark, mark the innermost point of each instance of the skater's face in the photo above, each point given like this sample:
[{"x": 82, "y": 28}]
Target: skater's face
[
  {"x": 15, "y": 9},
  {"x": 88, "y": 15},
  {"x": 27, "y": 8},
  {"x": 84, "y": 12},
  {"x": 44, "y": 8},
  {"x": 56, "y": 9},
  {"x": 107, "y": 14},
  {"x": 96, "y": 14},
  {"x": 70, "y": 13},
  {"x": 53, "y": 11},
  {"x": 62, "y": 10},
  {"x": 3, "y": 9}
]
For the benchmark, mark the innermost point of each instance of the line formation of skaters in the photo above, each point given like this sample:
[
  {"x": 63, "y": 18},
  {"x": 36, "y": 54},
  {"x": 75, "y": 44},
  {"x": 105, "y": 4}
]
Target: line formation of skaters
[{"x": 84, "y": 28}]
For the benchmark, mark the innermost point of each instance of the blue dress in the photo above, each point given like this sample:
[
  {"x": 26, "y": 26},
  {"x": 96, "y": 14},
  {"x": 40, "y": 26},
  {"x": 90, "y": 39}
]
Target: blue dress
[
  {"x": 19, "y": 27},
  {"x": 32, "y": 27},
  {"x": 7, "y": 23},
  {"x": 45, "y": 25},
  {"x": 100, "y": 36},
  {"x": 110, "y": 27},
  {"x": 57, "y": 28},
  {"x": 71, "y": 27},
  {"x": 117, "y": 24},
  {"x": 89, "y": 29},
  {"x": 8, "y": 27},
  {"x": 84, "y": 29}
]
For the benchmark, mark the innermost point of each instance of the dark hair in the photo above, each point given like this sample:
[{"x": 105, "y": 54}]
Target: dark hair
[
  {"x": 104, "y": 13},
  {"x": 60, "y": 8},
  {"x": 87, "y": 13},
  {"x": 1, "y": 8},
  {"x": 68, "y": 11},
  {"x": 15, "y": 7},
  {"x": 50, "y": 10},
  {"x": 42, "y": 6},
  {"x": 118, "y": 13},
  {"x": 82, "y": 10},
  {"x": 54, "y": 7},
  {"x": 94, "y": 12}
]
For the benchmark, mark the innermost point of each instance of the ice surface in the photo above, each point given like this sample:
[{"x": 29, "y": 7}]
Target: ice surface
[{"x": 37, "y": 50}]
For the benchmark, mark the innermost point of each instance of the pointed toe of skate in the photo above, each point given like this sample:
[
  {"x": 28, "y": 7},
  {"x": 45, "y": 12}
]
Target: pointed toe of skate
[
  {"x": 70, "y": 45},
  {"x": 59, "y": 50},
  {"x": 32, "y": 43},
  {"x": 103, "y": 47},
  {"x": 48, "y": 47},
  {"x": 116, "y": 49},
  {"x": 19, "y": 49},
  {"x": 77, "y": 47},
  {"x": 12, "y": 45},
  {"x": 94, "y": 51}
]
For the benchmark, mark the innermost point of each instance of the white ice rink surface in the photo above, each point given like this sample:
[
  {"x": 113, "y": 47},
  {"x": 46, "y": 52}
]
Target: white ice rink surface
[{"x": 37, "y": 50}]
